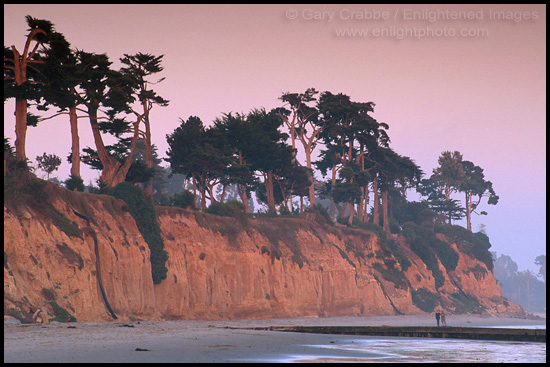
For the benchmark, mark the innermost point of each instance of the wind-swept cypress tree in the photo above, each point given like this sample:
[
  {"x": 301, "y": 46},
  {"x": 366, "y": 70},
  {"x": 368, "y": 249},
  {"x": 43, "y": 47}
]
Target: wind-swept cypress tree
[{"x": 24, "y": 75}]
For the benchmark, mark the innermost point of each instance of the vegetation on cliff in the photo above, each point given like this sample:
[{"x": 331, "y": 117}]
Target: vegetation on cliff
[
  {"x": 363, "y": 178},
  {"x": 284, "y": 241},
  {"x": 22, "y": 189},
  {"x": 419, "y": 233},
  {"x": 391, "y": 263},
  {"x": 144, "y": 214},
  {"x": 363, "y": 186}
]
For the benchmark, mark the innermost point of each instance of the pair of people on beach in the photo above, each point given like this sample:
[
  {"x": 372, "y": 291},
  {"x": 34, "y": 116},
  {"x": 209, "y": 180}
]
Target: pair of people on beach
[{"x": 439, "y": 314}]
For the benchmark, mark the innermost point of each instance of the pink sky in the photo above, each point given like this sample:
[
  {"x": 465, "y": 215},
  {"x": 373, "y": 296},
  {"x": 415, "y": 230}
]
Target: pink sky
[{"x": 483, "y": 95}]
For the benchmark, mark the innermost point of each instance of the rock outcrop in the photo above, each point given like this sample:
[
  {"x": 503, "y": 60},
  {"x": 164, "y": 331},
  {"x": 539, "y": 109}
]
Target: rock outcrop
[{"x": 218, "y": 268}]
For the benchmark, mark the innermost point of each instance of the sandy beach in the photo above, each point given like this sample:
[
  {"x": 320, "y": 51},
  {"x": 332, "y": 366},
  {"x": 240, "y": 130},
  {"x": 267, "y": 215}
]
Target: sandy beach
[{"x": 204, "y": 341}]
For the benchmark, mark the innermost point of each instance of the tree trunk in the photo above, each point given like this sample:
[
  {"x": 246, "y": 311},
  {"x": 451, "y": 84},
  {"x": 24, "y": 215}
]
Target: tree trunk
[
  {"x": 194, "y": 186},
  {"x": 293, "y": 136},
  {"x": 468, "y": 210},
  {"x": 360, "y": 206},
  {"x": 244, "y": 197},
  {"x": 111, "y": 174},
  {"x": 148, "y": 149},
  {"x": 332, "y": 205},
  {"x": 222, "y": 196},
  {"x": 312, "y": 186},
  {"x": 108, "y": 170},
  {"x": 351, "y": 208},
  {"x": 365, "y": 206},
  {"x": 202, "y": 190},
  {"x": 312, "y": 192},
  {"x": 20, "y": 70},
  {"x": 110, "y": 165},
  {"x": 351, "y": 212},
  {"x": 113, "y": 171},
  {"x": 242, "y": 189},
  {"x": 20, "y": 62},
  {"x": 376, "y": 204},
  {"x": 75, "y": 147},
  {"x": 197, "y": 198},
  {"x": 269, "y": 189},
  {"x": 385, "y": 215},
  {"x": 20, "y": 129}
]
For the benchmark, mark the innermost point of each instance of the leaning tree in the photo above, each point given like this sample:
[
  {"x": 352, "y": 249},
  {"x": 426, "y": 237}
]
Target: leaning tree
[
  {"x": 475, "y": 188},
  {"x": 140, "y": 67},
  {"x": 24, "y": 75},
  {"x": 102, "y": 87}
]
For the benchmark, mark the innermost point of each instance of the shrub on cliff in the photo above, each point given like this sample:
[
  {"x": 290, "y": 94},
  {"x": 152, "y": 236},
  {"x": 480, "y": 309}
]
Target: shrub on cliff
[
  {"x": 466, "y": 304},
  {"x": 233, "y": 209},
  {"x": 475, "y": 245},
  {"x": 421, "y": 240},
  {"x": 144, "y": 214},
  {"x": 184, "y": 199},
  {"x": 21, "y": 187},
  {"x": 74, "y": 183},
  {"x": 319, "y": 214},
  {"x": 424, "y": 299},
  {"x": 402, "y": 259},
  {"x": 61, "y": 314}
]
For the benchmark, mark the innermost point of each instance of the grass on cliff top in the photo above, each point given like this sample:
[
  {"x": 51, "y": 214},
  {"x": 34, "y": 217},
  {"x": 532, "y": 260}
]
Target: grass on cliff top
[
  {"x": 284, "y": 230},
  {"x": 230, "y": 221},
  {"x": 23, "y": 190},
  {"x": 227, "y": 227}
]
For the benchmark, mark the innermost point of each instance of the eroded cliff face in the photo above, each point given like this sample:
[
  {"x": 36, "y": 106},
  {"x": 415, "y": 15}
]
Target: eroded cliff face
[
  {"x": 211, "y": 278},
  {"x": 217, "y": 268},
  {"x": 43, "y": 265}
]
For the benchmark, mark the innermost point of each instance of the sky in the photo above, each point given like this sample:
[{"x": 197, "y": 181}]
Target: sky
[{"x": 470, "y": 78}]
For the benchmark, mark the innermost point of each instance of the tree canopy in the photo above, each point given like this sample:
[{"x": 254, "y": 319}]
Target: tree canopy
[{"x": 259, "y": 151}]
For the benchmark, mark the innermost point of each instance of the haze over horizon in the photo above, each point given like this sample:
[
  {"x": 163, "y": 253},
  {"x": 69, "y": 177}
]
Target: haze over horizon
[{"x": 470, "y": 78}]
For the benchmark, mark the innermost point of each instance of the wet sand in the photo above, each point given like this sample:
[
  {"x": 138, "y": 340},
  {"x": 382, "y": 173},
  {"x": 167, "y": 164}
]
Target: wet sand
[{"x": 202, "y": 341}]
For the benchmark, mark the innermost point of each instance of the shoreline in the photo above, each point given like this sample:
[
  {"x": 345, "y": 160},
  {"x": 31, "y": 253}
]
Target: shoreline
[
  {"x": 461, "y": 320},
  {"x": 200, "y": 341}
]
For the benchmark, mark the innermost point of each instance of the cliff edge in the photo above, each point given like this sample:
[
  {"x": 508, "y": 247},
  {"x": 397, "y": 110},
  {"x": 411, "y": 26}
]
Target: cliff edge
[{"x": 80, "y": 256}]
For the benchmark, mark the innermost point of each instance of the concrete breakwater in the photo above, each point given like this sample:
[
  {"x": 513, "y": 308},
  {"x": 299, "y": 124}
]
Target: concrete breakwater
[{"x": 475, "y": 333}]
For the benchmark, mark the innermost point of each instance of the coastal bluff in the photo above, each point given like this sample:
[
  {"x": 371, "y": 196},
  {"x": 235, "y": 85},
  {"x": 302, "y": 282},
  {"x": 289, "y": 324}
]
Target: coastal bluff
[{"x": 88, "y": 261}]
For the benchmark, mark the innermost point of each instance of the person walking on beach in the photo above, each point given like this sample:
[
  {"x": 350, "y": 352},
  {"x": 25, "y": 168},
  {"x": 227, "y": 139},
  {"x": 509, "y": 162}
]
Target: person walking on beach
[
  {"x": 437, "y": 316},
  {"x": 443, "y": 322}
]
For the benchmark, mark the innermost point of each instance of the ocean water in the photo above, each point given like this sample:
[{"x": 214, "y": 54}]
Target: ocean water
[
  {"x": 374, "y": 349},
  {"x": 391, "y": 349}
]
